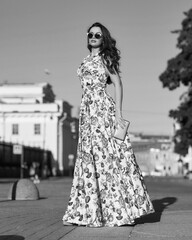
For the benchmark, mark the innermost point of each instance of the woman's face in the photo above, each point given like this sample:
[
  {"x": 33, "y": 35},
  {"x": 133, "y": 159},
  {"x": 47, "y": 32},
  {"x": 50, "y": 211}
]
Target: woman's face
[{"x": 95, "y": 42}]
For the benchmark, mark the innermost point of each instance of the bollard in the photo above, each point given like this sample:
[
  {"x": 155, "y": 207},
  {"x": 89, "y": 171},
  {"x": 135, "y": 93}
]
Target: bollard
[{"x": 23, "y": 189}]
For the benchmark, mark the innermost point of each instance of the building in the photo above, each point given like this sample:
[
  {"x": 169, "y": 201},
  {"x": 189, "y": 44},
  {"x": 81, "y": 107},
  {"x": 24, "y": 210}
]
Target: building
[
  {"x": 155, "y": 155},
  {"x": 30, "y": 116}
]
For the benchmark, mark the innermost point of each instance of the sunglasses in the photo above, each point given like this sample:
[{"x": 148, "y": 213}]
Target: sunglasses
[{"x": 96, "y": 35}]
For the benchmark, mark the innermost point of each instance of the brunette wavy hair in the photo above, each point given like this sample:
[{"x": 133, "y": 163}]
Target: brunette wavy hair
[{"x": 110, "y": 54}]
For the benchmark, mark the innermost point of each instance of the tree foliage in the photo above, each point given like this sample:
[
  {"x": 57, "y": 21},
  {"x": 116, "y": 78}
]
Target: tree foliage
[{"x": 179, "y": 71}]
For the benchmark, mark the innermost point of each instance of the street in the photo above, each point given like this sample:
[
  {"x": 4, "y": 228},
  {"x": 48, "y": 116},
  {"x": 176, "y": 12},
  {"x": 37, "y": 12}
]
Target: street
[{"x": 42, "y": 219}]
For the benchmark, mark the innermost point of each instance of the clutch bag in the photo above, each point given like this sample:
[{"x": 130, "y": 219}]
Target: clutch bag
[{"x": 120, "y": 132}]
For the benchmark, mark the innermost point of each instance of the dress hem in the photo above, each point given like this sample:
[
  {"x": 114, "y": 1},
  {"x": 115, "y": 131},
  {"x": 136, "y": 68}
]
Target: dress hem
[{"x": 107, "y": 224}]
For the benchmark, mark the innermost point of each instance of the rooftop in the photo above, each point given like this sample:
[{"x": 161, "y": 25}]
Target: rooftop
[{"x": 7, "y": 84}]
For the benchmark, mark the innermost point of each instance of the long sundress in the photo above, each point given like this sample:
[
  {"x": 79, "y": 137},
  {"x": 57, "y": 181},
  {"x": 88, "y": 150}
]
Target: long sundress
[{"x": 108, "y": 187}]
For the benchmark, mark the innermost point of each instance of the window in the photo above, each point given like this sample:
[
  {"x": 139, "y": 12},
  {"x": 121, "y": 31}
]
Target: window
[
  {"x": 15, "y": 129},
  {"x": 37, "y": 129}
]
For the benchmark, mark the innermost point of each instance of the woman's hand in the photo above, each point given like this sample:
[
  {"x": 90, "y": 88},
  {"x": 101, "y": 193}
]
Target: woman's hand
[{"x": 119, "y": 120}]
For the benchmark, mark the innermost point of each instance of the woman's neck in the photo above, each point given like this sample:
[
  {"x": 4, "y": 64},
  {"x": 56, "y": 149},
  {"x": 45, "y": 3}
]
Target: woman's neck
[{"x": 94, "y": 51}]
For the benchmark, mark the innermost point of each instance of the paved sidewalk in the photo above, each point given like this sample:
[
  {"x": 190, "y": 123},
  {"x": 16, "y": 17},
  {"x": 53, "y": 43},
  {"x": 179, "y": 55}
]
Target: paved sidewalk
[{"x": 41, "y": 219}]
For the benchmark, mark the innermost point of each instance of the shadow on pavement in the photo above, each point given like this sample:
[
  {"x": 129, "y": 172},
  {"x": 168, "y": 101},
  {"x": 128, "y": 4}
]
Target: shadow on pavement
[
  {"x": 5, "y": 200},
  {"x": 8, "y": 200},
  {"x": 11, "y": 237},
  {"x": 159, "y": 205},
  {"x": 6, "y": 181}
]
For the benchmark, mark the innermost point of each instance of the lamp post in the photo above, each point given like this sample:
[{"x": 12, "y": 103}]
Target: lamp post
[
  {"x": 60, "y": 145},
  {"x": 18, "y": 150}
]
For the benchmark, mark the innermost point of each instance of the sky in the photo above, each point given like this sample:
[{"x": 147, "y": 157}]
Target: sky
[{"x": 45, "y": 41}]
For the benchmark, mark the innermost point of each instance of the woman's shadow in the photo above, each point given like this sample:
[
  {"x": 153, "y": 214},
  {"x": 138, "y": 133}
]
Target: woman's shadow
[{"x": 159, "y": 206}]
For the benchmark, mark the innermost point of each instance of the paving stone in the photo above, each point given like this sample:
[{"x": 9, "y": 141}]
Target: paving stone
[
  {"x": 141, "y": 236},
  {"x": 42, "y": 219},
  {"x": 164, "y": 230},
  {"x": 60, "y": 233},
  {"x": 100, "y": 233}
]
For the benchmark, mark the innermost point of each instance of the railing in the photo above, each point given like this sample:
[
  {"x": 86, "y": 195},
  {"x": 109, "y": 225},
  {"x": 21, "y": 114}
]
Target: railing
[{"x": 10, "y": 163}]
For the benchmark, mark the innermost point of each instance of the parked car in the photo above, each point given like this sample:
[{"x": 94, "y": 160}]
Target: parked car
[{"x": 156, "y": 173}]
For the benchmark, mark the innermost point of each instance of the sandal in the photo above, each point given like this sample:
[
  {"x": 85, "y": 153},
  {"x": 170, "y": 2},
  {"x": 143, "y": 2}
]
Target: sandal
[{"x": 67, "y": 223}]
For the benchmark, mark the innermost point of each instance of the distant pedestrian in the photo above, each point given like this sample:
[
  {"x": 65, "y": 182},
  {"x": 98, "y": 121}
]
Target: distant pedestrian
[
  {"x": 34, "y": 172},
  {"x": 180, "y": 166},
  {"x": 108, "y": 187},
  {"x": 169, "y": 171},
  {"x": 71, "y": 164}
]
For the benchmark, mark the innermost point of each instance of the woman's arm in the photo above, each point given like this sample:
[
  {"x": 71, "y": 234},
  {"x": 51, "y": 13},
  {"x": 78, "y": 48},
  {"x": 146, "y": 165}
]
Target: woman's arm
[
  {"x": 118, "y": 92},
  {"x": 116, "y": 80}
]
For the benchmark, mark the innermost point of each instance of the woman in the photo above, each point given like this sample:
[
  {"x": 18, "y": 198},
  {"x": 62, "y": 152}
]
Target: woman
[{"x": 108, "y": 188}]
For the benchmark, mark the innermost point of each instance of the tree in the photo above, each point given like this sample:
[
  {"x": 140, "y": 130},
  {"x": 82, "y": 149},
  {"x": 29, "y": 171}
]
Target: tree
[{"x": 179, "y": 71}]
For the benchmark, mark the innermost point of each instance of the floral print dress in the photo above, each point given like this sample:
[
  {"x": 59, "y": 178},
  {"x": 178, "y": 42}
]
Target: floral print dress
[{"x": 108, "y": 187}]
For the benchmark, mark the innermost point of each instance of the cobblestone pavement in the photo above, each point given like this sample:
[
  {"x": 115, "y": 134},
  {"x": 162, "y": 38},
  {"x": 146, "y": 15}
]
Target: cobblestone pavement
[{"x": 41, "y": 219}]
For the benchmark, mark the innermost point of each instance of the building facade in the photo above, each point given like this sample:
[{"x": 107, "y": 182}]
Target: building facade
[
  {"x": 155, "y": 156},
  {"x": 30, "y": 116}
]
